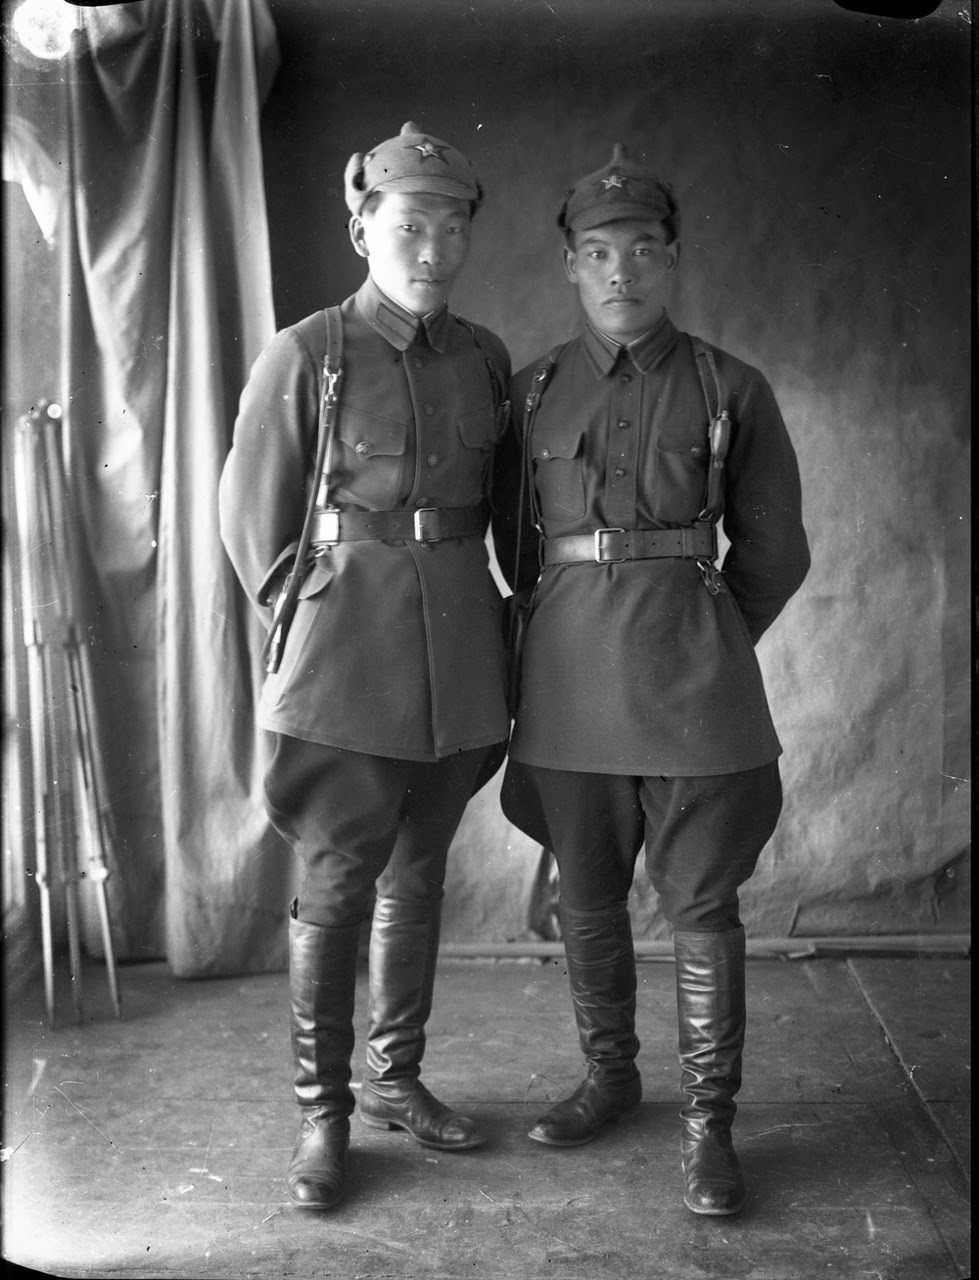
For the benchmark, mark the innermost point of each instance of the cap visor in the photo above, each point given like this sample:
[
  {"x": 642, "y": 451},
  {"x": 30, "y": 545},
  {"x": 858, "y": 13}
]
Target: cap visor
[
  {"x": 618, "y": 213},
  {"x": 436, "y": 186}
]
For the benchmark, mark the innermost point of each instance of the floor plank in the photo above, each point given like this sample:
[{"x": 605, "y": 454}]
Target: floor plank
[{"x": 157, "y": 1146}]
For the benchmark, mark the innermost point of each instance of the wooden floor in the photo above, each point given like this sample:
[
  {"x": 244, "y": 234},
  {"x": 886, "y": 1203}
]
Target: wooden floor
[{"x": 156, "y": 1146}]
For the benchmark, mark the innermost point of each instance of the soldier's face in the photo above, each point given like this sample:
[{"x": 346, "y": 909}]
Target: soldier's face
[
  {"x": 623, "y": 271},
  {"x": 415, "y": 246}
]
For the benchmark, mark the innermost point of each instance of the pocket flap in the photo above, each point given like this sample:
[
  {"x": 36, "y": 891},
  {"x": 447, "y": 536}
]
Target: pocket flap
[
  {"x": 692, "y": 438},
  {"x": 478, "y": 427},
  {"x": 556, "y": 444},
  {"x": 315, "y": 580},
  {"x": 366, "y": 435}
]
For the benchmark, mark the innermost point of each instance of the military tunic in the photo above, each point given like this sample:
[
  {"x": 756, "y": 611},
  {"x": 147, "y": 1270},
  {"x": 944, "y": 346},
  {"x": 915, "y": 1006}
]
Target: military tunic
[
  {"x": 395, "y": 646},
  {"x": 635, "y": 668}
]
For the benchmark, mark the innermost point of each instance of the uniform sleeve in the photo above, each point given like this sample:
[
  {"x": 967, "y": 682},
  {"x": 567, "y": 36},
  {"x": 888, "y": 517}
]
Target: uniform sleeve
[
  {"x": 769, "y": 554},
  {"x": 262, "y": 492},
  {"x": 513, "y": 524}
]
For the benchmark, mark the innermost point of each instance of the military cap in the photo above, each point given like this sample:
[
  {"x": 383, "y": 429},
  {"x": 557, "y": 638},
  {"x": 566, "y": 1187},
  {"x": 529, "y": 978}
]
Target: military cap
[
  {"x": 413, "y": 161},
  {"x": 622, "y": 189}
]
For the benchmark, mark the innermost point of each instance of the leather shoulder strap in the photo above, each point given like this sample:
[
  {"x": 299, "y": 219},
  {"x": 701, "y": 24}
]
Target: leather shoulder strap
[
  {"x": 333, "y": 361},
  {"x": 707, "y": 366},
  {"x": 496, "y": 378},
  {"x": 539, "y": 383},
  {"x": 718, "y": 429},
  {"x": 318, "y": 489},
  {"x": 329, "y": 387}
]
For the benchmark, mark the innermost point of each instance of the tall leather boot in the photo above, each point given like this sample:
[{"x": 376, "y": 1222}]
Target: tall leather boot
[
  {"x": 403, "y": 956},
  {"x": 711, "y": 1014},
  {"x": 602, "y": 974},
  {"x": 322, "y": 981}
]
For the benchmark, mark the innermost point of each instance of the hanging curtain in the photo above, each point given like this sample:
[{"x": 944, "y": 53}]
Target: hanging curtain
[
  {"x": 168, "y": 300},
  {"x": 225, "y": 867}
]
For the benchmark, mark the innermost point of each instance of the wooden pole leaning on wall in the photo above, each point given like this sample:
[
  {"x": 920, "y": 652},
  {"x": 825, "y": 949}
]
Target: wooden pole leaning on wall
[{"x": 69, "y": 792}]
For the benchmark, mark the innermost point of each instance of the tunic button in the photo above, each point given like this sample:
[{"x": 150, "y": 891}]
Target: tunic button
[
  {"x": 625, "y": 377},
  {"x": 364, "y": 448},
  {"x": 624, "y": 423},
  {"x": 429, "y": 409},
  {"x": 619, "y": 471},
  {"x": 418, "y": 362},
  {"x": 545, "y": 453},
  {"x": 433, "y": 459},
  {"x": 696, "y": 450}
]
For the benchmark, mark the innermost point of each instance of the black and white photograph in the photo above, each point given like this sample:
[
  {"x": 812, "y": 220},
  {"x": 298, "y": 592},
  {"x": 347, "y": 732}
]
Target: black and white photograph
[{"x": 487, "y": 627}]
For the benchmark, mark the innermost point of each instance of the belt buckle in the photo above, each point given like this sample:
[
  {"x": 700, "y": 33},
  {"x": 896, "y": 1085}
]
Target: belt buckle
[
  {"x": 600, "y": 557},
  {"x": 328, "y": 525},
  {"x": 428, "y": 525}
]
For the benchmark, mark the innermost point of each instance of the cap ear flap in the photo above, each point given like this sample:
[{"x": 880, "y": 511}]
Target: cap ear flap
[
  {"x": 480, "y": 194},
  {"x": 562, "y": 218},
  {"x": 672, "y": 221},
  {"x": 353, "y": 175},
  {"x": 354, "y": 182}
]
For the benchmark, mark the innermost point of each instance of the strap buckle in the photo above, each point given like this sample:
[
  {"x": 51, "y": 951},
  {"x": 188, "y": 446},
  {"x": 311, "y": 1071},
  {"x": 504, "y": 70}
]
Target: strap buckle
[
  {"x": 600, "y": 550},
  {"x": 428, "y": 525},
  {"x": 327, "y": 526},
  {"x": 331, "y": 395},
  {"x": 713, "y": 579}
]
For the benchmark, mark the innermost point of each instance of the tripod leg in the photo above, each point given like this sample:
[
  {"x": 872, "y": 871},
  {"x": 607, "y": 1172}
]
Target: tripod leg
[
  {"x": 43, "y": 818},
  {"x": 74, "y": 945},
  {"x": 56, "y": 636},
  {"x": 110, "y": 964},
  {"x": 47, "y": 943},
  {"x": 63, "y": 850},
  {"x": 25, "y": 466},
  {"x": 90, "y": 794},
  {"x": 88, "y": 786}
]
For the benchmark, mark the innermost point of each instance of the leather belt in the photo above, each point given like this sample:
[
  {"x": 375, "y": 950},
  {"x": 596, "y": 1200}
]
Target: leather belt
[
  {"x": 610, "y": 546},
  {"x": 426, "y": 525}
]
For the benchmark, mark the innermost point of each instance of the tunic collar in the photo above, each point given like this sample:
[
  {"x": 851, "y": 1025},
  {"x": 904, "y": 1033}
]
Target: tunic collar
[
  {"x": 395, "y": 324},
  {"x": 644, "y": 352}
]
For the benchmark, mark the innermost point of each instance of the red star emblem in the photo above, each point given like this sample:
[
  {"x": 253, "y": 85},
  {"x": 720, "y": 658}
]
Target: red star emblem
[
  {"x": 614, "y": 180},
  {"x": 429, "y": 150}
]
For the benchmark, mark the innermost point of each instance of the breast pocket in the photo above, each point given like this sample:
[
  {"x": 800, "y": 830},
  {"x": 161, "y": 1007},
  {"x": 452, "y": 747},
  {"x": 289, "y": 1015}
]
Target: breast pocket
[
  {"x": 477, "y": 435},
  {"x": 558, "y": 473},
  {"x": 680, "y": 476},
  {"x": 372, "y": 454}
]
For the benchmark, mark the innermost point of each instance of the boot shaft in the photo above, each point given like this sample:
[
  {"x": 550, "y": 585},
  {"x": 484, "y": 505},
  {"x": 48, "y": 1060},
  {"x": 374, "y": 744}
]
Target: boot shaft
[
  {"x": 601, "y": 964},
  {"x": 710, "y": 987},
  {"x": 322, "y": 986},
  {"x": 403, "y": 960}
]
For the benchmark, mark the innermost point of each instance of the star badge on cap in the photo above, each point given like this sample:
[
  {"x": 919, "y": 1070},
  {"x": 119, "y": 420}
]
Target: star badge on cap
[
  {"x": 621, "y": 189},
  {"x": 429, "y": 150},
  {"x": 390, "y": 166}
]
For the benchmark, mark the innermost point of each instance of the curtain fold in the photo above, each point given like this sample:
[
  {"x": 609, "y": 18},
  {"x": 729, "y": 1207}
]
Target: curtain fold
[
  {"x": 168, "y": 302},
  {"x": 225, "y": 886}
]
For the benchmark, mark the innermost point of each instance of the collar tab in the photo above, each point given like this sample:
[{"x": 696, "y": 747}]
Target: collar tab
[
  {"x": 645, "y": 351},
  {"x": 395, "y": 324}
]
